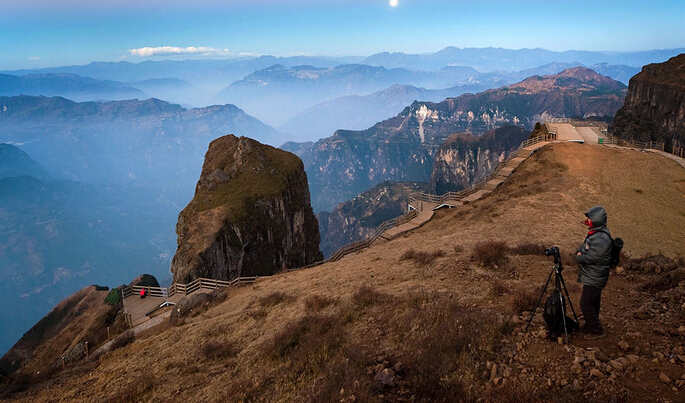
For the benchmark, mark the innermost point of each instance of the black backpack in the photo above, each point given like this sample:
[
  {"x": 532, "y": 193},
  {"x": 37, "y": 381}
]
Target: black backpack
[
  {"x": 616, "y": 246},
  {"x": 554, "y": 317}
]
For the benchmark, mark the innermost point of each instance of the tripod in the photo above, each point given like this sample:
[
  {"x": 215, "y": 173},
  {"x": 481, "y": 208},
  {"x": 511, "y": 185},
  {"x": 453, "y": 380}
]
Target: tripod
[{"x": 558, "y": 284}]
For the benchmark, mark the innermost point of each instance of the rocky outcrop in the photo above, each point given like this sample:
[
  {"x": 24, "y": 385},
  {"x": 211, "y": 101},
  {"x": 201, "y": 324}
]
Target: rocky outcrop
[
  {"x": 654, "y": 108},
  {"x": 358, "y": 218},
  {"x": 464, "y": 159},
  {"x": 250, "y": 214}
]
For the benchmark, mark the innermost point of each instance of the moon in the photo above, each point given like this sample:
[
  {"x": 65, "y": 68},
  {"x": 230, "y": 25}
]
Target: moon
[{"x": 393, "y": 3}]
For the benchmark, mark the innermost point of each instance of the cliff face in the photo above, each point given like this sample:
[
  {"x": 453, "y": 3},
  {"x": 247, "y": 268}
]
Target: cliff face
[
  {"x": 250, "y": 214},
  {"x": 654, "y": 108},
  {"x": 358, "y": 218},
  {"x": 464, "y": 159},
  {"x": 403, "y": 148}
]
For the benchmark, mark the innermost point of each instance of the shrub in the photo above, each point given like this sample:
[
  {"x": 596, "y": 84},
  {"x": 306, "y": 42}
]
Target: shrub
[
  {"x": 317, "y": 302},
  {"x": 218, "y": 350},
  {"x": 492, "y": 254},
  {"x": 366, "y": 296},
  {"x": 422, "y": 258},
  {"x": 458, "y": 249},
  {"x": 524, "y": 300},
  {"x": 114, "y": 297}
]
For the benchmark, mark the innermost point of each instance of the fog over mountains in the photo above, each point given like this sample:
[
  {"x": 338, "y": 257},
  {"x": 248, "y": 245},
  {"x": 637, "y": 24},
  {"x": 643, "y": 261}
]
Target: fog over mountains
[
  {"x": 101, "y": 158},
  {"x": 277, "y": 90}
]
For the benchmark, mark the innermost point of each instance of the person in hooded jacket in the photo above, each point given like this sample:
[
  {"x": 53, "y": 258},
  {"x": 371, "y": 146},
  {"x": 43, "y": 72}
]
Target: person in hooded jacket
[{"x": 594, "y": 258}]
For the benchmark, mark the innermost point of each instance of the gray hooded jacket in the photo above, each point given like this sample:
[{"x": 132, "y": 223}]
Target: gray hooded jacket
[{"x": 595, "y": 252}]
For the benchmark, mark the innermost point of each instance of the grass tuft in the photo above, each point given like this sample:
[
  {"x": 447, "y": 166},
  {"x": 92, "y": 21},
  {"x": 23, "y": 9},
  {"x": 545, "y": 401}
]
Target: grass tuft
[
  {"x": 218, "y": 350},
  {"x": 366, "y": 296},
  {"x": 524, "y": 300},
  {"x": 422, "y": 258},
  {"x": 316, "y": 302},
  {"x": 491, "y": 254}
]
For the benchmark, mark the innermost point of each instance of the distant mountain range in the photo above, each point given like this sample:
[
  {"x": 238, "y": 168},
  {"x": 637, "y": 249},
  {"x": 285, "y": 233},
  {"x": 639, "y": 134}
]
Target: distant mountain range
[
  {"x": 68, "y": 85},
  {"x": 402, "y": 148},
  {"x": 59, "y": 236},
  {"x": 356, "y": 112},
  {"x": 276, "y": 90},
  {"x": 491, "y": 59}
]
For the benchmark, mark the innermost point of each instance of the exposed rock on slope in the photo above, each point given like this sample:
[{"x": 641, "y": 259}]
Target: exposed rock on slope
[
  {"x": 465, "y": 159},
  {"x": 358, "y": 218},
  {"x": 250, "y": 214},
  {"x": 655, "y": 105},
  {"x": 402, "y": 148}
]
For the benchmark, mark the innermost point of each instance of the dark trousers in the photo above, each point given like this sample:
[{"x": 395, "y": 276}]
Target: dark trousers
[{"x": 590, "y": 300}]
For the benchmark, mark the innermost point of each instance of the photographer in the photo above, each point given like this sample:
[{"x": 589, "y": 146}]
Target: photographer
[{"x": 594, "y": 257}]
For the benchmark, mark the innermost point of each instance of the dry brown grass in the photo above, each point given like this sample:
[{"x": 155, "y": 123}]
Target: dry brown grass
[
  {"x": 138, "y": 391},
  {"x": 401, "y": 313},
  {"x": 275, "y": 298}
]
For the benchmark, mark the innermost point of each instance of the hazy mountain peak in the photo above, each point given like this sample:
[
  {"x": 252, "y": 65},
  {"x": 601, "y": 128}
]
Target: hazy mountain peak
[{"x": 15, "y": 162}]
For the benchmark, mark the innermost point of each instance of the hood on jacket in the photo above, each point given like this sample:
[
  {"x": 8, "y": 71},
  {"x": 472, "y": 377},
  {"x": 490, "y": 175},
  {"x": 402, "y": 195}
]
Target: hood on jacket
[{"x": 598, "y": 216}]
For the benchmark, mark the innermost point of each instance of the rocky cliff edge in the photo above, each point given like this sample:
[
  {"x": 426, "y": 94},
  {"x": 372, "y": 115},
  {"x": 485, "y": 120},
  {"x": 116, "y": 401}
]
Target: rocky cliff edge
[{"x": 250, "y": 215}]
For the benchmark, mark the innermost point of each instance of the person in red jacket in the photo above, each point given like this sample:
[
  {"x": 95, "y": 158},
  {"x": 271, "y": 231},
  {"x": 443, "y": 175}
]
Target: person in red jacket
[{"x": 143, "y": 293}]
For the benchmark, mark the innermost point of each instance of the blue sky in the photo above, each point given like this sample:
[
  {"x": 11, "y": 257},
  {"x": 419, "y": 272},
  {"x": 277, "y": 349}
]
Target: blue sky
[{"x": 40, "y": 33}]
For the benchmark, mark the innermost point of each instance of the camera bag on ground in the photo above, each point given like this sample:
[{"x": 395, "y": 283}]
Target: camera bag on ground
[{"x": 554, "y": 317}]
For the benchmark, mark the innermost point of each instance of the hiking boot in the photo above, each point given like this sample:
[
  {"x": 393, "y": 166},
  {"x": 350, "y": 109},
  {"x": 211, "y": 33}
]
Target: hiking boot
[{"x": 595, "y": 336}]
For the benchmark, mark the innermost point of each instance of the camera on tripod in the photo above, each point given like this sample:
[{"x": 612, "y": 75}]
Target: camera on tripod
[
  {"x": 553, "y": 251},
  {"x": 555, "y": 306}
]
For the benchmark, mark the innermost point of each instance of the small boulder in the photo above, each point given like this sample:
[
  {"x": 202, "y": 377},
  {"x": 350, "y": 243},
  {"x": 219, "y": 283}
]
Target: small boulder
[
  {"x": 386, "y": 378},
  {"x": 665, "y": 379},
  {"x": 595, "y": 373}
]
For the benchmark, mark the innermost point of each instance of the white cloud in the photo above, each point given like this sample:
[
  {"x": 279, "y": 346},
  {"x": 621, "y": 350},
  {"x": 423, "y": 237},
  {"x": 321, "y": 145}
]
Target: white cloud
[
  {"x": 34, "y": 58},
  {"x": 175, "y": 50}
]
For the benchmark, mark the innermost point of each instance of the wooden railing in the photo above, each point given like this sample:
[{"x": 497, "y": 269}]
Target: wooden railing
[
  {"x": 206, "y": 283},
  {"x": 185, "y": 289},
  {"x": 676, "y": 148},
  {"x": 458, "y": 196}
]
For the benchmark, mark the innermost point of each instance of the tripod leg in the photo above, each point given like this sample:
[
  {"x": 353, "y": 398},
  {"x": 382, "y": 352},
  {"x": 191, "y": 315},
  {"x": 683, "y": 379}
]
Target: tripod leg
[
  {"x": 563, "y": 313},
  {"x": 563, "y": 283},
  {"x": 539, "y": 300}
]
